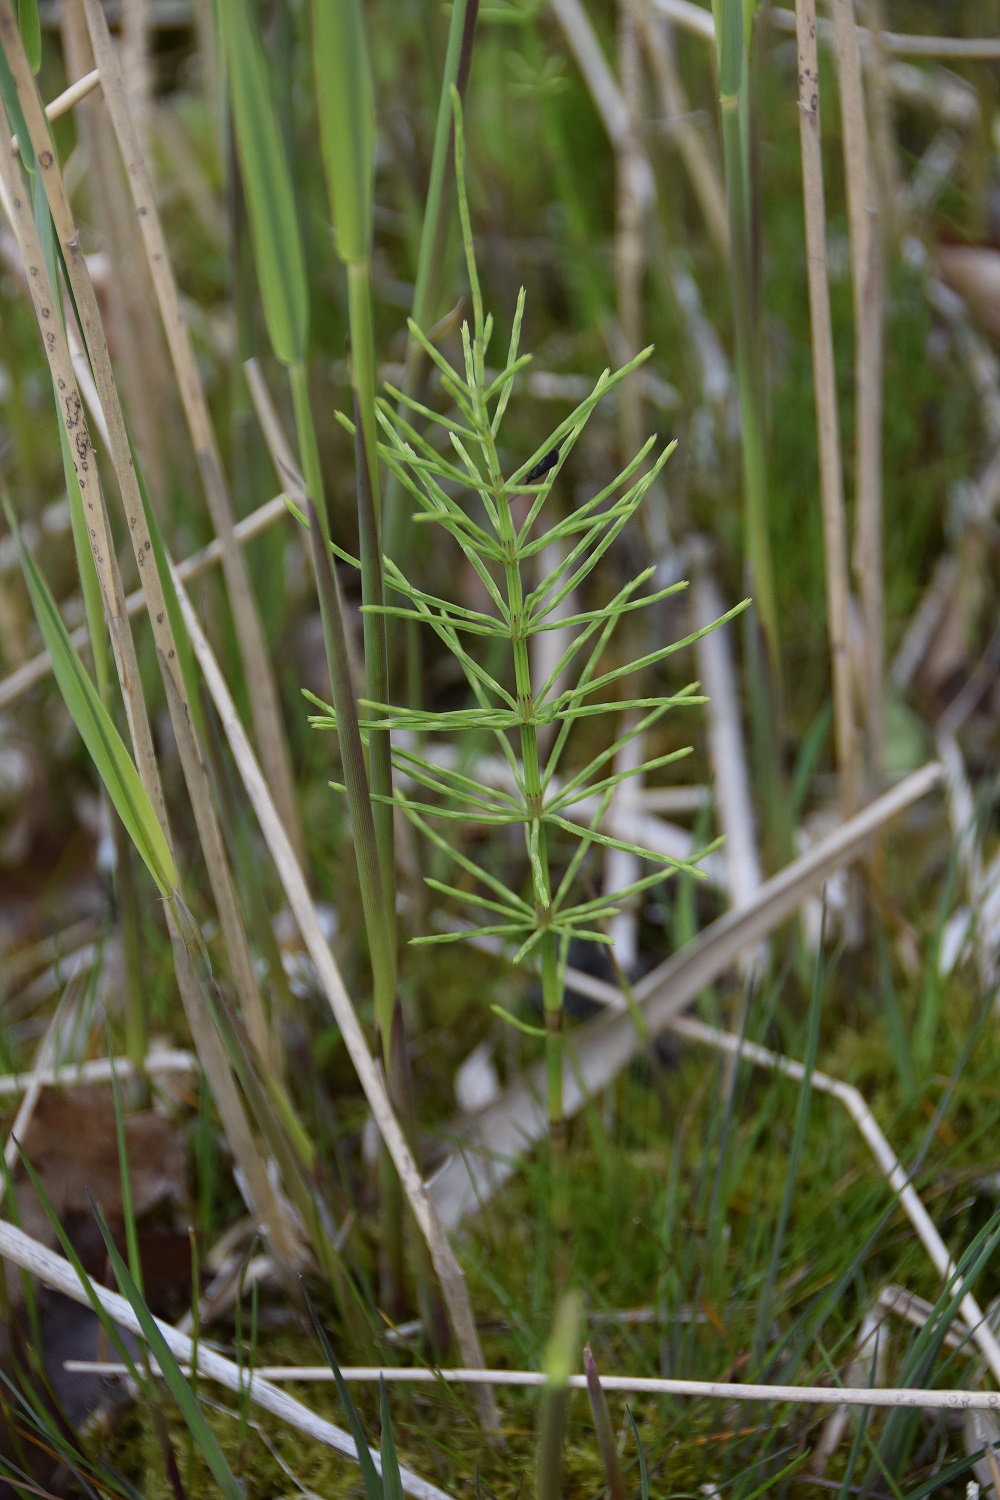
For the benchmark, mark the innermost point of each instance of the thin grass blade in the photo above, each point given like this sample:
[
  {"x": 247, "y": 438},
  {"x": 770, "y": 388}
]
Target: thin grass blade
[{"x": 192, "y": 1413}]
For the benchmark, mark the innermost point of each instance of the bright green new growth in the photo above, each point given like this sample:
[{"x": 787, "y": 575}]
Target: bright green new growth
[{"x": 507, "y": 524}]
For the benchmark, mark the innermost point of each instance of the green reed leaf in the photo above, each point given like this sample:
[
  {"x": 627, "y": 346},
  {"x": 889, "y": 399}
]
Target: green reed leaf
[
  {"x": 347, "y": 121},
  {"x": 30, "y": 26},
  {"x": 281, "y": 269},
  {"x": 97, "y": 730},
  {"x": 205, "y": 1439}
]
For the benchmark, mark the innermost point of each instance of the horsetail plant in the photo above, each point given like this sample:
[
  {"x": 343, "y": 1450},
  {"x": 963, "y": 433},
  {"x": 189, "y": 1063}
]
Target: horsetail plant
[{"x": 499, "y": 536}]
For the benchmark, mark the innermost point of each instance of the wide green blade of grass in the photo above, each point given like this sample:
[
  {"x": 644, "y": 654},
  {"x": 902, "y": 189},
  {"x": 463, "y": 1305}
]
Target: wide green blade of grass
[
  {"x": 96, "y": 727},
  {"x": 281, "y": 267}
]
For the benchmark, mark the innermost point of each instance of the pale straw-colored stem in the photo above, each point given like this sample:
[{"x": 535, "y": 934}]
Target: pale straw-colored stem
[
  {"x": 290, "y": 874},
  {"x": 264, "y": 700},
  {"x": 56, "y": 1272},
  {"x": 698, "y": 19},
  {"x": 140, "y": 353},
  {"x": 910, "y": 1397},
  {"x": 633, "y": 197},
  {"x": 866, "y": 276},
  {"x": 885, "y": 148},
  {"x": 98, "y": 1070},
  {"x": 827, "y": 423},
  {"x": 621, "y": 866},
  {"x": 136, "y": 66},
  {"x": 286, "y": 465},
  {"x": 64, "y": 102},
  {"x": 31, "y": 672},
  {"x": 17, "y": 206}
]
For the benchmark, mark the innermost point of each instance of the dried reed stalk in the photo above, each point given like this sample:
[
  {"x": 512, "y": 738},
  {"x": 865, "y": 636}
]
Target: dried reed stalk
[
  {"x": 35, "y": 670},
  {"x": 70, "y": 96},
  {"x": 866, "y": 274},
  {"x": 909, "y": 1397},
  {"x": 702, "y": 171},
  {"x": 264, "y": 700},
  {"x": 199, "y": 790},
  {"x": 97, "y": 1070},
  {"x": 697, "y": 19},
  {"x": 827, "y": 424},
  {"x": 726, "y": 744}
]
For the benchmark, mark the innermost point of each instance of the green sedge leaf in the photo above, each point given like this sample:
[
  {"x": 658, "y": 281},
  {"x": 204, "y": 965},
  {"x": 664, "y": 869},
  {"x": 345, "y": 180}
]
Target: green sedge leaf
[
  {"x": 281, "y": 269},
  {"x": 107, "y": 1323},
  {"x": 347, "y": 121},
  {"x": 205, "y": 1439},
  {"x": 392, "y": 1480},
  {"x": 369, "y": 1473},
  {"x": 30, "y": 26},
  {"x": 97, "y": 730},
  {"x": 729, "y": 46}
]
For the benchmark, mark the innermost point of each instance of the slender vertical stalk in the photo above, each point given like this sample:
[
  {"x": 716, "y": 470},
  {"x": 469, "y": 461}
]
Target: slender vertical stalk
[
  {"x": 866, "y": 275},
  {"x": 633, "y": 200},
  {"x": 703, "y": 173},
  {"x": 433, "y": 234},
  {"x": 552, "y": 986},
  {"x": 827, "y": 424},
  {"x": 734, "y": 107},
  {"x": 763, "y": 656}
]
